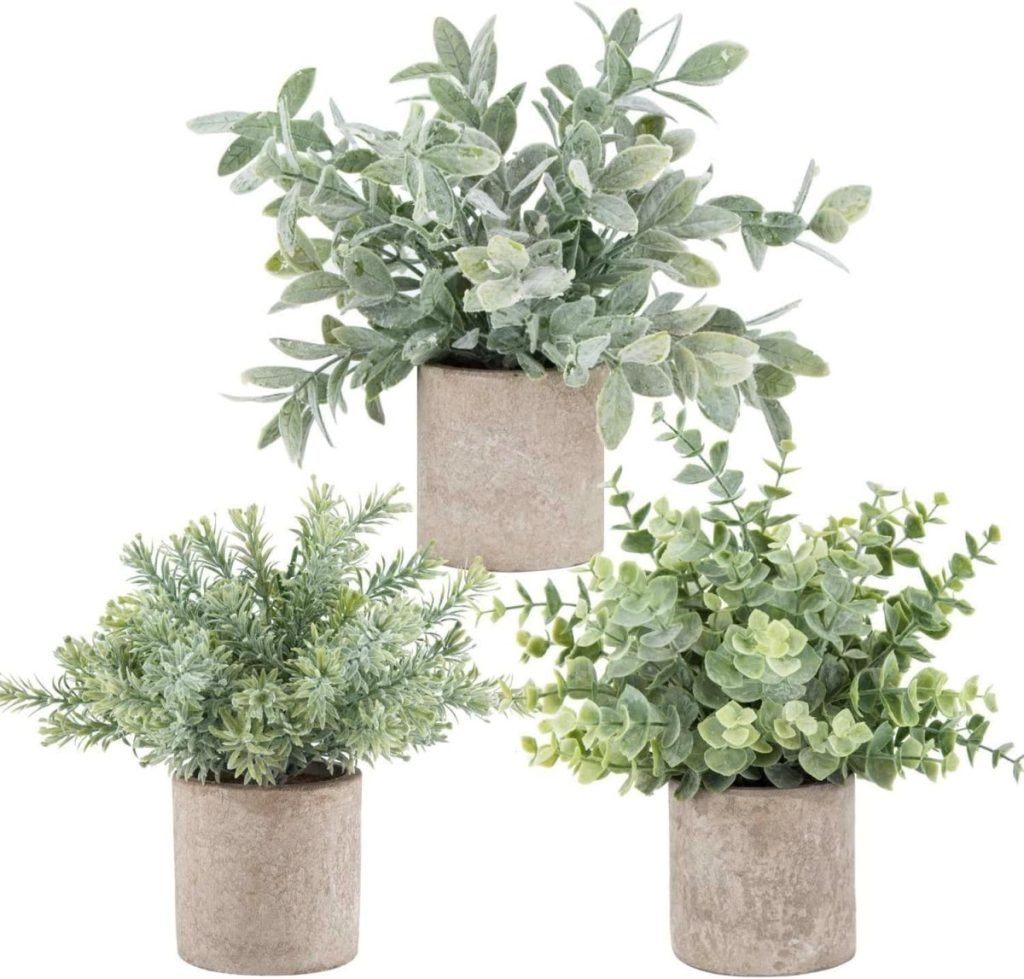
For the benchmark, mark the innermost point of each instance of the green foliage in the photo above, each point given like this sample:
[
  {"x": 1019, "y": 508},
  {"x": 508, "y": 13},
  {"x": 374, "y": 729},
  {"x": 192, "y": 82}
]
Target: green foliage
[
  {"x": 223, "y": 663},
  {"x": 738, "y": 649},
  {"x": 441, "y": 243}
]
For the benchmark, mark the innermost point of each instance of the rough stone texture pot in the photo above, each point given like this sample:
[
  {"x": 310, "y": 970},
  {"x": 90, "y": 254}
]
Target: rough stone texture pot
[
  {"x": 762, "y": 880},
  {"x": 267, "y": 879},
  {"x": 510, "y": 469}
]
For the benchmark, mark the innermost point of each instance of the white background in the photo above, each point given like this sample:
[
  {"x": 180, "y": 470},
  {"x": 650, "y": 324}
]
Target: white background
[{"x": 134, "y": 295}]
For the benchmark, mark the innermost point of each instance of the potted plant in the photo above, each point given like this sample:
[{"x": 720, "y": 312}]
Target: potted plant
[
  {"x": 517, "y": 281},
  {"x": 263, "y": 687},
  {"x": 760, "y": 667}
]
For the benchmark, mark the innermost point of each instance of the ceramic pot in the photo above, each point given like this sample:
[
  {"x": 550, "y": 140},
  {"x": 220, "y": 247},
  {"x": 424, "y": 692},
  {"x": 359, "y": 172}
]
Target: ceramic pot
[
  {"x": 267, "y": 878},
  {"x": 762, "y": 879},
  {"x": 510, "y": 469}
]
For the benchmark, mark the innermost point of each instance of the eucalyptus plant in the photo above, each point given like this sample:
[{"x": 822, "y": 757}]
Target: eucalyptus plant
[
  {"x": 443, "y": 243},
  {"x": 225, "y": 664},
  {"x": 742, "y": 647}
]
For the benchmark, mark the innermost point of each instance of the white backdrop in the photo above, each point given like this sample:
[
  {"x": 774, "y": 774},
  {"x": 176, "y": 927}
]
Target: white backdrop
[{"x": 135, "y": 295}]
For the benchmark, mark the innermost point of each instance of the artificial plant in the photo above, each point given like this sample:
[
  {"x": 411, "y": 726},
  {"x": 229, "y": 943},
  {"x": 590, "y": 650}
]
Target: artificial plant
[
  {"x": 442, "y": 243},
  {"x": 742, "y": 647},
  {"x": 226, "y": 664}
]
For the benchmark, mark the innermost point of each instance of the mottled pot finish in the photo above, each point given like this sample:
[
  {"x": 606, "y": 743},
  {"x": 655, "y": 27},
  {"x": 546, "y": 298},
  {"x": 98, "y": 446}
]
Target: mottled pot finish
[
  {"x": 510, "y": 469},
  {"x": 762, "y": 879},
  {"x": 267, "y": 879}
]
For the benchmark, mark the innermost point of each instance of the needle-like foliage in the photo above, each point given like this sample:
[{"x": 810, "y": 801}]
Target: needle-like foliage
[{"x": 225, "y": 664}]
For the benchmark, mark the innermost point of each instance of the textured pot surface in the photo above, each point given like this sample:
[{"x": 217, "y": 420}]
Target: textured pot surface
[
  {"x": 510, "y": 469},
  {"x": 267, "y": 879},
  {"x": 762, "y": 880}
]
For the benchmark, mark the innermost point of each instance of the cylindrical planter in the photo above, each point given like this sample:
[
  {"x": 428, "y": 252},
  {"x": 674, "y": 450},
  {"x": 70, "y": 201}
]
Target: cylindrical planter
[
  {"x": 510, "y": 469},
  {"x": 762, "y": 879},
  {"x": 267, "y": 878}
]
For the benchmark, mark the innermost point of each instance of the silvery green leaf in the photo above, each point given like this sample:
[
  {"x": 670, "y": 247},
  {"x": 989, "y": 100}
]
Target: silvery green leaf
[
  {"x": 790, "y": 356},
  {"x": 650, "y": 349},
  {"x": 453, "y": 101},
  {"x": 547, "y": 251},
  {"x": 485, "y": 203},
  {"x": 670, "y": 49},
  {"x": 709, "y": 342},
  {"x": 634, "y": 167},
  {"x": 462, "y": 160},
  {"x": 555, "y": 353},
  {"x": 723, "y": 369},
  {"x": 829, "y": 225},
  {"x": 361, "y": 339},
  {"x": 688, "y": 102},
  {"x": 522, "y": 190},
  {"x": 638, "y": 103},
  {"x": 589, "y": 351},
  {"x": 665, "y": 303},
  {"x": 711, "y": 64},
  {"x": 530, "y": 366},
  {"x": 696, "y": 272},
  {"x": 851, "y": 202},
  {"x": 333, "y": 199},
  {"x": 618, "y": 70},
  {"x": 422, "y": 69},
  {"x": 468, "y": 340},
  {"x": 474, "y": 264},
  {"x": 576, "y": 376},
  {"x": 778, "y": 420},
  {"x": 499, "y": 122},
  {"x": 583, "y": 142},
  {"x": 747, "y": 208},
  {"x": 387, "y": 172},
  {"x": 507, "y": 254},
  {"x": 240, "y": 152},
  {"x": 576, "y": 171},
  {"x": 681, "y": 141},
  {"x": 367, "y": 274},
  {"x": 613, "y": 212},
  {"x": 625, "y": 31},
  {"x": 774, "y": 314},
  {"x": 452, "y": 49},
  {"x": 720, "y": 405},
  {"x": 495, "y": 294},
  {"x": 421, "y": 346},
  {"x": 545, "y": 282},
  {"x": 313, "y": 287},
  {"x": 683, "y": 322},
  {"x": 590, "y": 105},
  {"x": 294, "y": 422},
  {"x": 275, "y": 377},
  {"x": 301, "y": 350},
  {"x": 285, "y": 127},
  {"x": 756, "y": 248},
  {"x": 777, "y": 228},
  {"x": 552, "y": 196},
  {"x": 569, "y": 318},
  {"x": 771, "y": 382},
  {"x": 821, "y": 253},
  {"x": 215, "y": 122},
  {"x": 670, "y": 200},
  {"x": 706, "y": 222},
  {"x": 296, "y": 90},
  {"x": 483, "y": 62},
  {"x": 286, "y": 218},
  {"x": 566, "y": 79},
  {"x": 438, "y": 194},
  {"x": 270, "y": 433},
  {"x": 590, "y": 13},
  {"x": 685, "y": 371},
  {"x": 614, "y": 409},
  {"x": 629, "y": 294},
  {"x": 654, "y": 243},
  {"x": 414, "y": 124},
  {"x": 648, "y": 380}
]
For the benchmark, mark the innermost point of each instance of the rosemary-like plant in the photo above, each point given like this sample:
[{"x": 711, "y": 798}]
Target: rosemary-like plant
[{"x": 224, "y": 664}]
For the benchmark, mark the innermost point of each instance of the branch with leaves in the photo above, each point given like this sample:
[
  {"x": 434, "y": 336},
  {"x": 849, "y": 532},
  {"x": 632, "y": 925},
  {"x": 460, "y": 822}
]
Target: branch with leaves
[{"x": 441, "y": 243}]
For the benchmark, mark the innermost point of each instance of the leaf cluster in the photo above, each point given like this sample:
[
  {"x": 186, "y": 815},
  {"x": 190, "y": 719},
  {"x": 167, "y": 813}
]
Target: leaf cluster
[
  {"x": 225, "y": 664},
  {"x": 741, "y": 647},
  {"x": 443, "y": 243}
]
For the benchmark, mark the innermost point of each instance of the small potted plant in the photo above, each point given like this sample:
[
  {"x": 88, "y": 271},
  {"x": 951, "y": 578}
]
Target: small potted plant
[
  {"x": 760, "y": 667},
  {"x": 517, "y": 281},
  {"x": 263, "y": 687}
]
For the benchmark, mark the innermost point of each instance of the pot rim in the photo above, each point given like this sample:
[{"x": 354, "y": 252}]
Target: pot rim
[
  {"x": 488, "y": 371},
  {"x": 768, "y": 789},
  {"x": 309, "y": 786}
]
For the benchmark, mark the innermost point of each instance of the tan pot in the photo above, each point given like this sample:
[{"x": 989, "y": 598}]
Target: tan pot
[
  {"x": 267, "y": 879},
  {"x": 510, "y": 469},
  {"x": 762, "y": 880}
]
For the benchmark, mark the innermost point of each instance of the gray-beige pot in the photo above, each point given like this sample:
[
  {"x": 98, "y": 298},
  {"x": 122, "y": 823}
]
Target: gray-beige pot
[
  {"x": 510, "y": 468},
  {"x": 762, "y": 879},
  {"x": 267, "y": 878}
]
